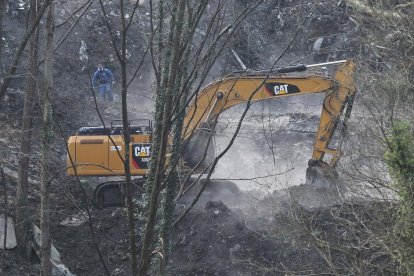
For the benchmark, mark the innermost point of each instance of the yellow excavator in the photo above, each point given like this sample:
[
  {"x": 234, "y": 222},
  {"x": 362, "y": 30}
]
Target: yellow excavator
[{"x": 97, "y": 151}]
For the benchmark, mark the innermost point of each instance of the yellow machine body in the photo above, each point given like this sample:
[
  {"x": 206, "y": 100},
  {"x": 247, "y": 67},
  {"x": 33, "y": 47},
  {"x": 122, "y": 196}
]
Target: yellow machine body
[{"x": 100, "y": 151}]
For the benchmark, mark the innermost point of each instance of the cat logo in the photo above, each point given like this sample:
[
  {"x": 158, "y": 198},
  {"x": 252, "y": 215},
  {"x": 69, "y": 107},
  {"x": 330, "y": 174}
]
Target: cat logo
[
  {"x": 141, "y": 156},
  {"x": 280, "y": 89},
  {"x": 142, "y": 151}
]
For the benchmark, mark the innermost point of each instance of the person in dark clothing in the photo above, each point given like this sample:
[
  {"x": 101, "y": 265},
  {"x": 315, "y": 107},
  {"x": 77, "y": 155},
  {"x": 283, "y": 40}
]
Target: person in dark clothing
[{"x": 103, "y": 79}]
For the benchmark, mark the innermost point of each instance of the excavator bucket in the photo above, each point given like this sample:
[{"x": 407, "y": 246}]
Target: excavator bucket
[
  {"x": 199, "y": 150},
  {"x": 321, "y": 175}
]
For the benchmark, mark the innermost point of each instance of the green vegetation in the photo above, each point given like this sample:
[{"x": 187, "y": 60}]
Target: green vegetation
[{"x": 400, "y": 160}]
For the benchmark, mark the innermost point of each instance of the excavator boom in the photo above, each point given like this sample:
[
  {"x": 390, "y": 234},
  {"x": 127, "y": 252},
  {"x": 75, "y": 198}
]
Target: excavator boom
[{"x": 242, "y": 88}]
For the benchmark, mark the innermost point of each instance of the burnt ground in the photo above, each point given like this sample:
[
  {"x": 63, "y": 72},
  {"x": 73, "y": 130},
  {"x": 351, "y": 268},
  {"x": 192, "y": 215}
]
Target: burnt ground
[
  {"x": 295, "y": 231},
  {"x": 215, "y": 239}
]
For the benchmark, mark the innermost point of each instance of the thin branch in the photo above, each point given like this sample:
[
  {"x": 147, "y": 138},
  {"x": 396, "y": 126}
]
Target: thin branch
[
  {"x": 111, "y": 33},
  {"x": 255, "y": 178},
  {"x": 13, "y": 67},
  {"x": 73, "y": 14},
  {"x": 71, "y": 27}
]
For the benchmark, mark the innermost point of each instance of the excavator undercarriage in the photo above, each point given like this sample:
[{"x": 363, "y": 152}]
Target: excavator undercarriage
[{"x": 112, "y": 193}]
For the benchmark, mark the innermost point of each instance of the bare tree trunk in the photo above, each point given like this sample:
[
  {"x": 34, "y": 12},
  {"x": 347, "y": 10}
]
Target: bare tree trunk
[
  {"x": 176, "y": 35},
  {"x": 170, "y": 70},
  {"x": 2, "y": 10},
  {"x": 173, "y": 180},
  {"x": 25, "y": 144},
  {"x": 13, "y": 67},
  {"x": 167, "y": 64},
  {"x": 47, "y": 129},
  {"x": 122, "y": 59},
  {"x": 127, "y": 139}
]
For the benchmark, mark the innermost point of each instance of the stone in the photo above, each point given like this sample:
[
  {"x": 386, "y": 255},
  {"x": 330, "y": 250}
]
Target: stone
[
  {"x": 317, "y": 45},
  {"x": 74, "y": 221},
  {"x": 58, "y": 268},
  {"x": 11, "y": 241}
]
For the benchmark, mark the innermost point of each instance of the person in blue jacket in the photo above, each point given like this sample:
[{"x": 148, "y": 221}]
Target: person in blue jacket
[{"x": 103, "y": 79}]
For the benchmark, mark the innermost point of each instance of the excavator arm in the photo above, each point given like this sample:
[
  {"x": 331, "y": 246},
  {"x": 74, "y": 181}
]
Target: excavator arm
[{"x": 242, "y": 88}]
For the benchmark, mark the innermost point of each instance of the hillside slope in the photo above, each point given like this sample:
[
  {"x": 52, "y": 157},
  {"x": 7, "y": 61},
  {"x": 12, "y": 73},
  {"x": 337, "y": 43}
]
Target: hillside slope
[{"x": 274, "y": 226}]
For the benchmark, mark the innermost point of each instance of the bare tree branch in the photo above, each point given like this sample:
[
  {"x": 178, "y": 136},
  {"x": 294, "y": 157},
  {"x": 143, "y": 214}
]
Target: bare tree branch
[{"x": 13, "y": 67}]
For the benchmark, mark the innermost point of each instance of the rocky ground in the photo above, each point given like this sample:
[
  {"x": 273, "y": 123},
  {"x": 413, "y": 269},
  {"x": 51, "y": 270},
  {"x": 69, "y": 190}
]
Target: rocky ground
[{"x": 263, "y": 227}]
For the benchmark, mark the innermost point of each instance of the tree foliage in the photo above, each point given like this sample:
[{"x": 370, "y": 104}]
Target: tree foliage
[{"x": 400, "y": 161}]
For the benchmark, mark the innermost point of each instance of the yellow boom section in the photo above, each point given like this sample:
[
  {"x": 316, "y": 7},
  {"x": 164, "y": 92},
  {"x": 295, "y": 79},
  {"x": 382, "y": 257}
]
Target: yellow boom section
[
  {"x": 333, "y": 106},
  {"x": 227, "y": 92}
]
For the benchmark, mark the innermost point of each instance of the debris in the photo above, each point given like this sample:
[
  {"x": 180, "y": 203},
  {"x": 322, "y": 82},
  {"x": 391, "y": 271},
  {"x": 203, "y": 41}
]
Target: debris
[
  {"x": 74, "y": 221},
  {"x": 317, "y": 45},
  {"x": 117, "y": 272},
  {"x": 127, "y": 54},
  {"x": 217, "y": 207},
  {"x": 140, "y": 2},
  {"x": 11, "y": 235},
  {"x": 233, "y": 250},
  {"x": 58, "y": 268},
  {"x": 83, "y": 52},
  {"x": 54, "y": 254},
  {"x": 21, "y": 5}
]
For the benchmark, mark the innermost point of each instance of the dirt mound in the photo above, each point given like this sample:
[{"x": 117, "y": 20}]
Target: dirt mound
[{"x": 219, "y": 241}]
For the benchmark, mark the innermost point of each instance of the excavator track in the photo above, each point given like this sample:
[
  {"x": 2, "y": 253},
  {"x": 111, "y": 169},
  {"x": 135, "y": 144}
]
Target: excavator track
[{"x": 112, "y": 194}]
